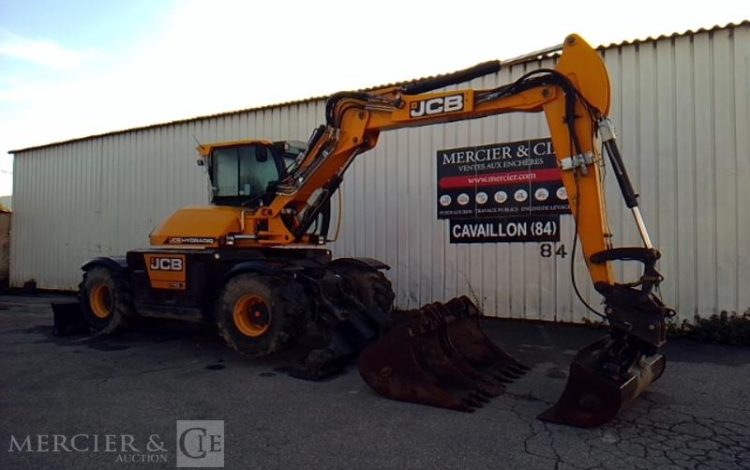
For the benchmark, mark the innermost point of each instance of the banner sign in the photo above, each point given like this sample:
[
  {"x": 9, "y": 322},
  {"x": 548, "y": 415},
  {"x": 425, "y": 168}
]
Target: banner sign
[
  {"x": 507, "y": 179},
  {"x": 534, "y": 228}
]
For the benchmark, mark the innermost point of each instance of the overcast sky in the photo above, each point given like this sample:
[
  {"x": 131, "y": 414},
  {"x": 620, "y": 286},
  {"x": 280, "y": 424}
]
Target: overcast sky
[{"x": 72, "y": 68}]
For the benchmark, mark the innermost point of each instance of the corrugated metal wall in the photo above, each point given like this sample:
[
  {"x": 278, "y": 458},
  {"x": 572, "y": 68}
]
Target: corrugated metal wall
[{"x": 680, "y": 104}]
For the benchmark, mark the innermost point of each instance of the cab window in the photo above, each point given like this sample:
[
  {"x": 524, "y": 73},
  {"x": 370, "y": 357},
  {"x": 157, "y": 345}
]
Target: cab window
[{"x": 243, "y": 172}]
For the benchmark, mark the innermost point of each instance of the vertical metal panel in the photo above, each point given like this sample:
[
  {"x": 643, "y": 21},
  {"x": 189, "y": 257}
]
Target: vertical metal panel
[
  {"x": 725, "y": 169},
  {"x": 741, "y": 87},
  {"x": 705, "y": 168},
  {"x": 681, "y": 106}
]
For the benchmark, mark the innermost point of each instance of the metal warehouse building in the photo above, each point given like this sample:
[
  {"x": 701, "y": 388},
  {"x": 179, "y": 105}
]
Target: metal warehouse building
[{"x": 681, "y": 105}]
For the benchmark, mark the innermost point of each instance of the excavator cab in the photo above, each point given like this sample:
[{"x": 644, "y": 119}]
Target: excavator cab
[{"x": 245, "y": 173}]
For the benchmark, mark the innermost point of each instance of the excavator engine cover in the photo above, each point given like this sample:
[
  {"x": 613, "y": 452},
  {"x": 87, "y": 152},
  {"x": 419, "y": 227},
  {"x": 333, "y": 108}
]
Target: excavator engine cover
[
  {"x": 438, "y": 355},
  {"x": 604, "y": 377}
]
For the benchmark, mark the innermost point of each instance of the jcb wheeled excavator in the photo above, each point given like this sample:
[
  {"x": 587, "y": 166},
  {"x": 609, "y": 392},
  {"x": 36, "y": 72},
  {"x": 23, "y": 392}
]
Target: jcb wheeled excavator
[{"x": 254, "y": 261}]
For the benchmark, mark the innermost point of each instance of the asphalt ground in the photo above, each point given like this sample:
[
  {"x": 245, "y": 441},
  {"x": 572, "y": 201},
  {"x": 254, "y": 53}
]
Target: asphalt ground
[{"x": 137, "y": 385}]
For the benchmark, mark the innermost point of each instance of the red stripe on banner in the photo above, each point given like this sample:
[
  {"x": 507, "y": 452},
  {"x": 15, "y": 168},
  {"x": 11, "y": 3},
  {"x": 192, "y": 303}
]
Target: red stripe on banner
[{"x": 501, "y": 179}]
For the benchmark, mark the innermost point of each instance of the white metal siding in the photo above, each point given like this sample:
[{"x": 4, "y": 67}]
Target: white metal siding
[{"x": 680, "y": 105}]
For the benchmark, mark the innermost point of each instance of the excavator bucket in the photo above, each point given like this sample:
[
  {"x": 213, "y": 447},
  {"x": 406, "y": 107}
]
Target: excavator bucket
[
  {"x": 438, "y": 355},
  {"x": 597, "y": 390}
]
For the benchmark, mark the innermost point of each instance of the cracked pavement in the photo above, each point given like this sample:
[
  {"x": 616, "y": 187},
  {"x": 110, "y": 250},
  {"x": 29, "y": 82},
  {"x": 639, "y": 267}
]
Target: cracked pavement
[{"x": 697, "y": 416}]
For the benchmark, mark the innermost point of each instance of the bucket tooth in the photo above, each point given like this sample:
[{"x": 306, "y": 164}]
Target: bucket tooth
[
  {"x": 481, "y": 398},
  {"x": 439, "y": 356},
  {"x": 486, "y": 384},
  {"x": 465, "y": 333},
  {"x": 435, "y": 357},
  {"x": 502, "y": 378},
  {"x": 475, "y": 400},
  {"x": 596, "y": 391}
]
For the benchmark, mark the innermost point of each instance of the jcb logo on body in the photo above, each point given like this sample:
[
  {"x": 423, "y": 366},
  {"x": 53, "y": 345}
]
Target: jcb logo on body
[
  {"x": 443, "y": 104},
  {"x": 166, "y": 264}
]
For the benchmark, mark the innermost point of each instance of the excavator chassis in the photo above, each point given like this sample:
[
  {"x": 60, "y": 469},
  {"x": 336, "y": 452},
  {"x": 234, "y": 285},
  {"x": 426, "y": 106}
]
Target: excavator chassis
[{"x": 343, "y": 302}]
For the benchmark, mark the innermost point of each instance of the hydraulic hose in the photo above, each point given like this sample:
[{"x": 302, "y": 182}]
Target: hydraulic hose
[{"x": 465, "y": 75}]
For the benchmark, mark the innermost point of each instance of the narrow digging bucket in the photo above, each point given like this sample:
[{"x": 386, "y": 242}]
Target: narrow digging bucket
[
  {"x": 438, "y": 355},
  {"x": 595, "y": 394}
]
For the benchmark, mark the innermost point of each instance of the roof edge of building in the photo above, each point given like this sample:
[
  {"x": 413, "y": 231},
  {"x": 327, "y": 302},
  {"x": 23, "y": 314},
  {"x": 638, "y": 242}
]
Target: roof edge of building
[{"x": 312, "y": 99}]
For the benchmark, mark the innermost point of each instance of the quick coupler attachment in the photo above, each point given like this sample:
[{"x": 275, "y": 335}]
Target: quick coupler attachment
[
  {"x": 604, "y": 377},
  {"x": 438, "y": 355}
]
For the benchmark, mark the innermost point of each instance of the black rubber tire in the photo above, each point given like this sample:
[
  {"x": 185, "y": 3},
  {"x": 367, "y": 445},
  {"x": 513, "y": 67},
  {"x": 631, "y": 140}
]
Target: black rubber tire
[
  {"x": 121, "y": 300},
  {"x": 287, "y": 303},
  {"x": 372, "y": 287}
]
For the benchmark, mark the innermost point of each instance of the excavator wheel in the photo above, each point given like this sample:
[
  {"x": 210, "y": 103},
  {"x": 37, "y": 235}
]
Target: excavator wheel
[
  {"x": 351, "y": 306},
  {"x": 106, "y": 300},
  {"x": 372, "y": 287},
  {"x": 259, "y": 315}
]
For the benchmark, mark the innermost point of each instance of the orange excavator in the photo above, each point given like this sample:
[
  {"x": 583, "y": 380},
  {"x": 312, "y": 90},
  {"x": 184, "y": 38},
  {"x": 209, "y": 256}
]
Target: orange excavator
[{"x": 254, "y": 261}]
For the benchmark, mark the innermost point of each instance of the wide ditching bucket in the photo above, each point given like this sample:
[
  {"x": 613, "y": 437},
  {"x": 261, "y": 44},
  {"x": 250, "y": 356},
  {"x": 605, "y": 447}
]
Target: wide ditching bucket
[{"x": 438, "y": 355}]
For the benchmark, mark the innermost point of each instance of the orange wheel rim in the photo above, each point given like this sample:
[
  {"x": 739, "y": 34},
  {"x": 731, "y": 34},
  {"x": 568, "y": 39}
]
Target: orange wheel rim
[
  {"x": 101, "y": 301},
  {"x": 252, "y": 317}
]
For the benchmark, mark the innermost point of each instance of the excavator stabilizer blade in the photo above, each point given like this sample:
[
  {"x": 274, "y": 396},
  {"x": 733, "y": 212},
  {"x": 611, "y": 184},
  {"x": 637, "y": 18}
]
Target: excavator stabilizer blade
[
  {"x": 439, "y": 356},
  {"x": 594, "y": 395}
]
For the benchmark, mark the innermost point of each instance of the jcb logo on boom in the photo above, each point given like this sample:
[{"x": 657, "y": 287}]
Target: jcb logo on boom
[
  {"x": 166, "y": 264},
  {"x": 444, "y": 104}
]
